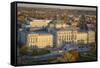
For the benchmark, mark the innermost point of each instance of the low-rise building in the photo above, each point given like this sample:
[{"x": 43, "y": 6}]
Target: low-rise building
[
  {"x": 40, "y": 40},
  {"x": 82, "y": 37},
  {"x": 39, "y": 23},
  {"x": 74, "y": 36},
  {"x": 91, "y": 37},
  {"x": 65, "y": 36}
]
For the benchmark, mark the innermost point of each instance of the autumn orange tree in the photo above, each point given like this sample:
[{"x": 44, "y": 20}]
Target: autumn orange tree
[{"x": 69, "y": 56}]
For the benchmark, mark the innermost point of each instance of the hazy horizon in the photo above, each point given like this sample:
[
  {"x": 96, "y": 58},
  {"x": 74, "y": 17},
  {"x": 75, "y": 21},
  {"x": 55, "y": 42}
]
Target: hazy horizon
[{"x": 55, "y": 6}]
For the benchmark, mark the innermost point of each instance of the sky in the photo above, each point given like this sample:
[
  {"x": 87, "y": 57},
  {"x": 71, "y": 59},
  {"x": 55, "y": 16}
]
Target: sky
[{"x": 55, "y": 6}]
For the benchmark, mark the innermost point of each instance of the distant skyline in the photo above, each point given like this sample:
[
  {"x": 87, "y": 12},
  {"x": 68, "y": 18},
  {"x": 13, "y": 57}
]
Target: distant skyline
[{"x": 55, "y": 6}]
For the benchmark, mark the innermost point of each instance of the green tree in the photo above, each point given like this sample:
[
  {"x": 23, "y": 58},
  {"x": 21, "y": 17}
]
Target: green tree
[{"x": 25, "y": 50}]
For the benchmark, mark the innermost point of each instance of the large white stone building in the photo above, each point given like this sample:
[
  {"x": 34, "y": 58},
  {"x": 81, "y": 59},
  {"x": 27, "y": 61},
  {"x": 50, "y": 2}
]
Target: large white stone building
[
  {"x": 40, "y": 40},
  {"x": 73, "y": 36}
]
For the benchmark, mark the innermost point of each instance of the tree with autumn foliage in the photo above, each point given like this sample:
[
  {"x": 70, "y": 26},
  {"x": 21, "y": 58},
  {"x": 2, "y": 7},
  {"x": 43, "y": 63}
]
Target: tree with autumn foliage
[{"x": 69, "y": 56}]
